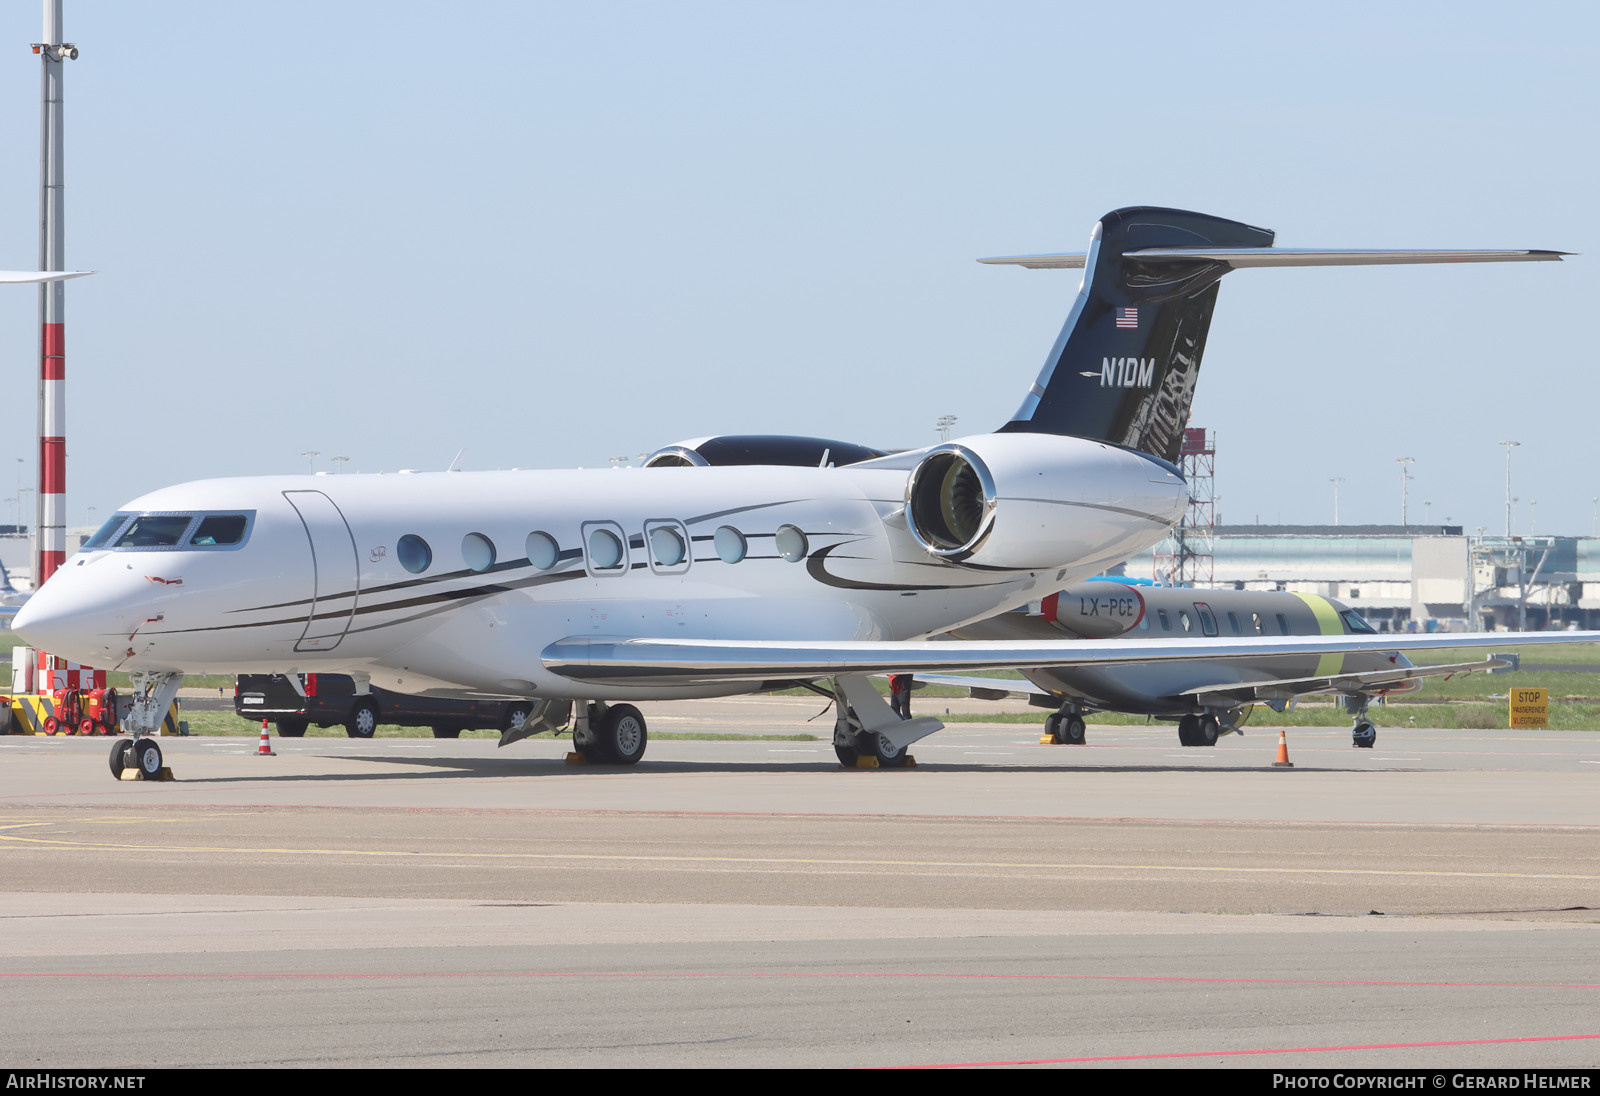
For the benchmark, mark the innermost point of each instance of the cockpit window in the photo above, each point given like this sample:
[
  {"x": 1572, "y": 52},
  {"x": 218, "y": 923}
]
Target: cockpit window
[
  {"x": 107, "y": 531},
  {"x": 1357, "y": 623},
  {"x": 154, "y": 531},
  {"x": 186, "y": 532},
  {"x": 219, "y": 529}
]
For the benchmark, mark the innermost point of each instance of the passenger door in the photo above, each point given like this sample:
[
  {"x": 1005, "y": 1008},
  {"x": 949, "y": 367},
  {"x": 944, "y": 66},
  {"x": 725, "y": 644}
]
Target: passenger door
[{"x": 336, "y": 586}]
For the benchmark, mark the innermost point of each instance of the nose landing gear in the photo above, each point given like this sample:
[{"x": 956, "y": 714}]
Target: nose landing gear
[
  {"x": 1363, "y": 736},
  {"x": 139, "y": 758}
]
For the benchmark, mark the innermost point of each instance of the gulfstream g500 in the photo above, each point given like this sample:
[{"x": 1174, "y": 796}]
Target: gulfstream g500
[{"x": 751, "y": 569}]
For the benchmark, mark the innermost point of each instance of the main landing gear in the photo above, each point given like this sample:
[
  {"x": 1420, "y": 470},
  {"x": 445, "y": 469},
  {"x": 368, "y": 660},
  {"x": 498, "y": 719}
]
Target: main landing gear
[
  {"x": 152, "y": 698},
  {"x": 865, "y": 728},
  {"x": 1066, "y": 727},
  {"x": 1199, "y": 730},
  {"x": 609, "y": 734},
  {"x": 851, "y": 744}
]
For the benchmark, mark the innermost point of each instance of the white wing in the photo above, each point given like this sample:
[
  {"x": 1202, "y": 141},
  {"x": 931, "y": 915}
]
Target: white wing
[
  {"x": 621, "y": 660},
  {"x": 24, "y": 277}
]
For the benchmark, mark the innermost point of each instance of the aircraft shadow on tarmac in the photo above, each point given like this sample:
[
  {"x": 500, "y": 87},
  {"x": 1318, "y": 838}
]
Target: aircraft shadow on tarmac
[{"x": 546, "y": 768}]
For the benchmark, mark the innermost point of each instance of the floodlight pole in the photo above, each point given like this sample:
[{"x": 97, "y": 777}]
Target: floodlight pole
[
  {"x": 1405, "y": 476},
  {"x": 1508, "y": 445},
  {"x": 51, "y": 545}
]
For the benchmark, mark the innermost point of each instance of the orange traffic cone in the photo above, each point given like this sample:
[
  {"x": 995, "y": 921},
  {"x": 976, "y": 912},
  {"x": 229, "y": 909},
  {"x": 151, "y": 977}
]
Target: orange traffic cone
[
  {"x": 265, "y": 749},
  {"x": 1283, "y": 761}
]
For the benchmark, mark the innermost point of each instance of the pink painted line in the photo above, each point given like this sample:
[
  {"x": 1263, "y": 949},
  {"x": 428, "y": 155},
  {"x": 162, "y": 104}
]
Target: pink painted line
[
  {"x": 1264, "y": 1050},
  {"x": 743, "y": 975}
]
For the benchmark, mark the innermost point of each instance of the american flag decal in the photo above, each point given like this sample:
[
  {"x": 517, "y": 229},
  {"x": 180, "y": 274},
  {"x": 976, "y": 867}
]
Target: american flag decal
[{"x": 1128, "y": 318}]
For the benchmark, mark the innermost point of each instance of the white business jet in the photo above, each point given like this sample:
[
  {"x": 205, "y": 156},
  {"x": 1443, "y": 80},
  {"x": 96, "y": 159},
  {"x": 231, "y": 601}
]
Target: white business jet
[{"x": 603, "y": 587}]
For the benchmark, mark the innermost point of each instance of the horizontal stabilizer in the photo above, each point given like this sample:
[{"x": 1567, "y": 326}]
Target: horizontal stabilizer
[
  {"x": 1241, "y": 257},
  {"x": 1067, "y": 261},
  {"x": 24, "y": 277}
]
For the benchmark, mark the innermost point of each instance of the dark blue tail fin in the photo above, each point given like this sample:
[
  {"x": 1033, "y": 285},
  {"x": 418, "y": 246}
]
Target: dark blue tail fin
[{"x": 1123, "y": 369}]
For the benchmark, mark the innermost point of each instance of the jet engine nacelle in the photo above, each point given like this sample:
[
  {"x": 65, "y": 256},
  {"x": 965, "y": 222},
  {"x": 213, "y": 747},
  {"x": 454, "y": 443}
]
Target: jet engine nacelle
[{"x": 1037, "y": 501}]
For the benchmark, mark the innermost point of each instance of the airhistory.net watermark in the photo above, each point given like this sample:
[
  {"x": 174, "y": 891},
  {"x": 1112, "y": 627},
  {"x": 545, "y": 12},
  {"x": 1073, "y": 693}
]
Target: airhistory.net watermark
[{"x": 50, "y": 1080}]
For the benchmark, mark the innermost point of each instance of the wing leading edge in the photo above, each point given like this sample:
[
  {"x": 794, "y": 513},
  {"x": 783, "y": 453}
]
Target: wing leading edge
[
  {"x": 621, "y": 660},
  {"x": 999, "y": 688},
  {"x": 1355, "y": 682},
  {"x": 30, "y": 277}
]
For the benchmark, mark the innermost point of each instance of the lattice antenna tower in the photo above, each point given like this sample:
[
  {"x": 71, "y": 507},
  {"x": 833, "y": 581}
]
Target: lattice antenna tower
[{"x": 1186, "y": 558}]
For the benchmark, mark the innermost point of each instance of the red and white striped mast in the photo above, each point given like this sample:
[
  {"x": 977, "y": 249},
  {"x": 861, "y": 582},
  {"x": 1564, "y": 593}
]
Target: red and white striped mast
[{"x": 51, "y": 524}]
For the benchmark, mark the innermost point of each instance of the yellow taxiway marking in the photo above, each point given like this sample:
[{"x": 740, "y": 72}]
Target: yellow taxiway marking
[
  {"x": 16, "y": 840},
  {"x": 129, "y": 821}
]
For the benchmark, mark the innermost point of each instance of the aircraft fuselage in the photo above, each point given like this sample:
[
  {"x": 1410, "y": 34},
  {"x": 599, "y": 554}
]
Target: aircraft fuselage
[
  {"x": 455, "y": 582},
  {"x": 1197, "y": 616}
]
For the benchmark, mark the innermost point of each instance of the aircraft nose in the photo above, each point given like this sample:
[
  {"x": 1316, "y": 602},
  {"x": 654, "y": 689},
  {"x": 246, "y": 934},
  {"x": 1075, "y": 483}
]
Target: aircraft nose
[{"x": 64, "y": 619}]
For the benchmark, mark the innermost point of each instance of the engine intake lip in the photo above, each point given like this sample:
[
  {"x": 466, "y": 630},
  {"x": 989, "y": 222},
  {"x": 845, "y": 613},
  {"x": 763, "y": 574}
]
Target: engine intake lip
[
  {"x": 675, "y": 456},
  {"x": 950, "y": 502}
]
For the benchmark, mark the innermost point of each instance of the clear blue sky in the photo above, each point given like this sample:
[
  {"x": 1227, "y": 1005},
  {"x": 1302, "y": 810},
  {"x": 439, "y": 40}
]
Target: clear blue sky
[{"x": 556, "y": 233}]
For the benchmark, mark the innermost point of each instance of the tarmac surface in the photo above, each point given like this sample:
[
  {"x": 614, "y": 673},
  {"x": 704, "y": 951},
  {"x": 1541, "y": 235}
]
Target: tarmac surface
[{"x": 1431, "y": 903}]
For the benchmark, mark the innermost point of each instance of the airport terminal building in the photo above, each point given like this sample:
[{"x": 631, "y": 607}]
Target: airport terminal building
[{"x": 1401, "y": 577}]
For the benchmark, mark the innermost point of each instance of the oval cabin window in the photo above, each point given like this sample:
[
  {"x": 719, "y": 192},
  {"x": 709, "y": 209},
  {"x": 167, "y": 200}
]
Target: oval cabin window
[
  {"x": 731, "y": 546},
  {"x": 413, "y": 553},
  {"x": 605, "y": 550},
  {"x": 478, "y": 551},
  {"x": 543, "y": 552}
]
